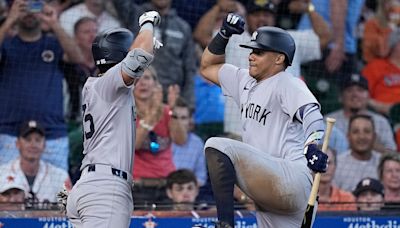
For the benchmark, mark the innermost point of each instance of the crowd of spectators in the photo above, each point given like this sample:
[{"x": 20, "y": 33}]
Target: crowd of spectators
[{"x": 347, "y": 52}]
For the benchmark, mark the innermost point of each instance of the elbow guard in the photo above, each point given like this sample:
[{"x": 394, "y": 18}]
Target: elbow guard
[{"x": 135, "y": 62}]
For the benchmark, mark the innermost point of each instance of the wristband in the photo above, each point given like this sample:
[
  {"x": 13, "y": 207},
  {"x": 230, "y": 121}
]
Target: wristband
[{"x": 218, "y": 44}]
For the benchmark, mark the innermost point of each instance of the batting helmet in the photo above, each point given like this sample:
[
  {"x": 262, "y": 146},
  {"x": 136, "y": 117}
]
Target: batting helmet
[
  {"x": 273, "y": 39},
  {"x": 111, "y": 46}
]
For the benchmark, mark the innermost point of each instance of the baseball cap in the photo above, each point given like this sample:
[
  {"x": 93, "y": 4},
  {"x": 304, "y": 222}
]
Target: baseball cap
[
  {"x": 369, "y": 184},
  {"x": 354, "y": 79},
  {"x": 260, "y": 5},
  {"x": 30, "y": 126},
  {"x": 10, "y": 181}
]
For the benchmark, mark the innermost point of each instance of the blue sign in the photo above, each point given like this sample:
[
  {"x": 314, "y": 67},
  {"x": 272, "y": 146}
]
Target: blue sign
[{"x": 207, "y": 222}]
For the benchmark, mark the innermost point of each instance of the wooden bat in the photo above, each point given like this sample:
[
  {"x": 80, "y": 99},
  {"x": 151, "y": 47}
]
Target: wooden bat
[{"x": 314, "y": 191}]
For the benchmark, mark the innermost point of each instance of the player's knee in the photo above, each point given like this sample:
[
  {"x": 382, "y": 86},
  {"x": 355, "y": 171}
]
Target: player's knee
[{"x": 216, "y": 143}]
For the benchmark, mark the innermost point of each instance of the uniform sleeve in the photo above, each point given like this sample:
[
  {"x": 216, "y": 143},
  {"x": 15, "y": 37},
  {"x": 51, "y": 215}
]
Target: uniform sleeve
[
  {"x": 231, "y": 80},
  {"x": 294, "y": 95},
  {"x": 111, "y": 84}
]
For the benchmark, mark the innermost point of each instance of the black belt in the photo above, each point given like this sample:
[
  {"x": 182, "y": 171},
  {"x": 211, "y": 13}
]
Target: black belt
[{"x": 114, "y": 171}]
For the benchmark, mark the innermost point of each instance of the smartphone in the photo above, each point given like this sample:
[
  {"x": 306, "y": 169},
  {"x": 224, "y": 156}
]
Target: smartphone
[{"x": 35, "y": 6}]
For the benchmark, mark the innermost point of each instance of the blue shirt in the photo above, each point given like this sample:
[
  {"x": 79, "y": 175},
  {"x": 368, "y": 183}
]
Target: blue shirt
[
  {"x": 191, "y": 156},
  {"x": 352, "y": 16},
  {"x": 209, "y": 102},
  {"x": 31, "y": 85}
]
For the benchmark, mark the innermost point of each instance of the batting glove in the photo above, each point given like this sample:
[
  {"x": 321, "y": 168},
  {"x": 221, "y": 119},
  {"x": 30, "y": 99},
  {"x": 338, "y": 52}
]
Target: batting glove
[
  {"x": 233, "y": 24},
  {"x": 157, "y": 44},
  {"x": 62, "y": 197},
  {"x": 151, "y": 17},
  {"x": 317, "y": 160}
]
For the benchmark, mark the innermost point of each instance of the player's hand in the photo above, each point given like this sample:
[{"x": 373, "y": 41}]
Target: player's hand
[
  {"x": 233, "y": 24},
  {"x": 317, "y": 160},
  {"x": 150, "y": 17}
]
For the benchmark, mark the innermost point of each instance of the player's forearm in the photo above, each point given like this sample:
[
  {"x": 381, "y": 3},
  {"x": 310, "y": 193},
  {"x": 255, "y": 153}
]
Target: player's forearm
[
  {"x": 338, "y": 18},
  {"x": 321, "y": 28},
  {"x": 144, "y": 40},
  {"x": 71, "y": 49},
  {"x": 210, "y": 64}
]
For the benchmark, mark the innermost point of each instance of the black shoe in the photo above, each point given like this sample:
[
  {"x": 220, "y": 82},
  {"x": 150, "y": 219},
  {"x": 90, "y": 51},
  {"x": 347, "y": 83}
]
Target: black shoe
[{"x": 220, "y": 224}]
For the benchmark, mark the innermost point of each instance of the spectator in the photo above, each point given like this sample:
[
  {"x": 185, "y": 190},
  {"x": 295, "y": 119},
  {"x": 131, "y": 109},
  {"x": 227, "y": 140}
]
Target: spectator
[
  {"x": 191, "y": 154},
  {"x": 88, "y": 8},
  {"x": 85, "y": 30},
  {"x": 354, "y": 98},
  {"x": 41, "y": 181},
  {"x": 156, "y": 130},
  {"x": 209, "y": 111},
  {"x": 261, "y": 13},
  {"x": 192, "y": 10},
  {"x": 176, "y": 61},
  {"x": 384, "y": 75},
  {"x": 31, "y": 80},
  {"x": 12, "y": 196},
  {"x": 182, "y": 189},
  {"x": 369, "y": 194},
  {"x": 378, "y": 28},
  {"x": 361, "y": 161},
  {"x": 389, "y": 174},
  {"x": 332, "y": 198},
  {"x": 340, "y": 56}
]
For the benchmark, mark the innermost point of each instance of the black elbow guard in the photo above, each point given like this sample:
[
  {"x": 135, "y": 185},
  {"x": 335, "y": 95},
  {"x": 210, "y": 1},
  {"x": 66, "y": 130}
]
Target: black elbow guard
[{"x": 217, "y": 45}]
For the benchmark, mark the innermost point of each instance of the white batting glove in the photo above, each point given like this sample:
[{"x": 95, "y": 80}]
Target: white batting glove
[
  {"x": 62, "y": 197},
  {"x": 157, "y": 44},
  {"x": 150, "y": 16}
]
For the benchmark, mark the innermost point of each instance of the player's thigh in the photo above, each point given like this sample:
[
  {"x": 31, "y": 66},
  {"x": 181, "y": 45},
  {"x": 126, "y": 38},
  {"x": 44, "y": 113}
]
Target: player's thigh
[
  {"x": 72, "y": 212},
  {"x": 105, "y": 201},
  {"x": 273, "y": 183}
]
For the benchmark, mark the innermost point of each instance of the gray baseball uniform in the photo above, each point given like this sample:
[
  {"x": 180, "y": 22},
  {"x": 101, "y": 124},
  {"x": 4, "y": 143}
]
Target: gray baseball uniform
[
  {"x": 270, "y": 164},
  {"x": 102, "y": 196}
]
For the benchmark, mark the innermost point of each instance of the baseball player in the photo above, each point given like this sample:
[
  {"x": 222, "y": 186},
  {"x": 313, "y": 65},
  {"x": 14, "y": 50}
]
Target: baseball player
[
  {"x": 281, "y": 123},
  {"x": 102, "y": 196}
]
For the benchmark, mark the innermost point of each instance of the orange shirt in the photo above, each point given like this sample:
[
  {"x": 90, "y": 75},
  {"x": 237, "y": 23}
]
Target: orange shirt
[
  {"x": 375, "y": 43},
  {"x": 339, "y": 201},
  {"x": 383, "y": 80}
]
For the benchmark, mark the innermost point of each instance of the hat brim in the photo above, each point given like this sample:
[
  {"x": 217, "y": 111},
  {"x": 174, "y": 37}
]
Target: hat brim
[
  {"x": 32, "y": 130},
  {"x": 253, "y": 45}
]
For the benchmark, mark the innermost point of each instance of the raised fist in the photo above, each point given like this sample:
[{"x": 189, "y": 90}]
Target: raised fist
[
  {"x": 233, "y": 24},
  {"x": 317, "y": 160},
  {"x": 150, "y": 16}
]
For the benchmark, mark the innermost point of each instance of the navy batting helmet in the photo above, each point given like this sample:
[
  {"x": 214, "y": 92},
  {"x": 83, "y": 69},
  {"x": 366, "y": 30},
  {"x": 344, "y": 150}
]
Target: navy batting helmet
[
  {"x": 111, "y": 46},
  {"x": 273, "y": 39}
]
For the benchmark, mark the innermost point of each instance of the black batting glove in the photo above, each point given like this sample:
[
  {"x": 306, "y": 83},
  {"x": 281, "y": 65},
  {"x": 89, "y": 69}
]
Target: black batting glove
[
  {"x": 233, "y": 24},
  {"x": 317, "y": 160}
]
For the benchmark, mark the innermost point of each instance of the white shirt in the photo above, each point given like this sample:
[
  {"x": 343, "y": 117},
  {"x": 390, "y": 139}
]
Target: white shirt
[{"x": 69, "y": 17}]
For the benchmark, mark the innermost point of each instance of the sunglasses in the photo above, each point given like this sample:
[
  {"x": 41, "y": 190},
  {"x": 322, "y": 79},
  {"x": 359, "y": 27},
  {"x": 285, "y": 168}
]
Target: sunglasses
[{"x": 154, "y": 145}]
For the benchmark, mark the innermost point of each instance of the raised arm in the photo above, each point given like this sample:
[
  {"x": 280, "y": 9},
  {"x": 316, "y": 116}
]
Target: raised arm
[
  {"x": 214, "y": 55},
  {"x": 17, "y": 9},
  {"x": 141, "y": 51},
  {"x": 71, "y": 49},
  {"x": 319, "y": 25}
]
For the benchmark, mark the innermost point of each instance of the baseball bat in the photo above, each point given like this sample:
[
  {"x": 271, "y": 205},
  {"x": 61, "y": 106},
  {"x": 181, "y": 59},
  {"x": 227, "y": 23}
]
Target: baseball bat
[{"x": 307, "y": 219}]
